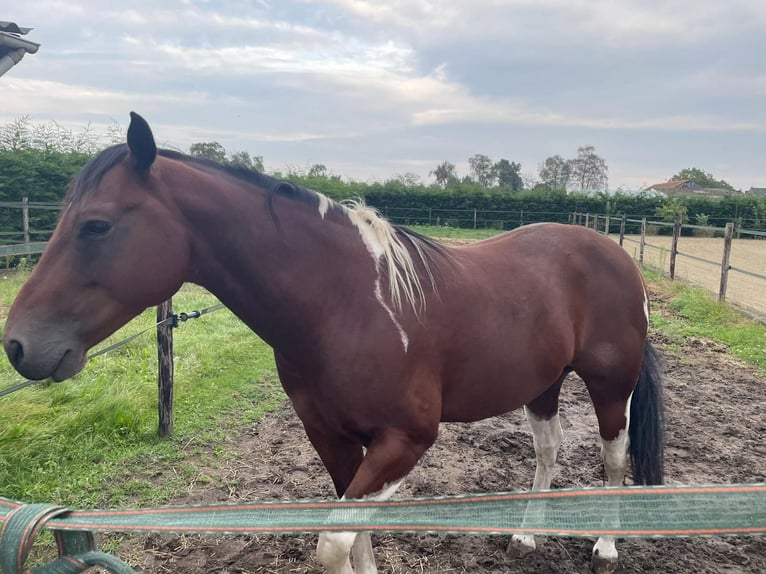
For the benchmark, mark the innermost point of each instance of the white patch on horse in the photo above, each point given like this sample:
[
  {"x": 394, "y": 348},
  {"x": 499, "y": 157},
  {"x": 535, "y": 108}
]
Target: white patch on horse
[
  {"x": 333, "y": 548},
  {"x": 324, "y": 204},
  {"x": 615, "y": 455},
  {"x": 646, "y": 307},
  {"x": 402, "y": 333},
  {"x": 547, "y": 436},
  {"x": 386, "y": 248}
]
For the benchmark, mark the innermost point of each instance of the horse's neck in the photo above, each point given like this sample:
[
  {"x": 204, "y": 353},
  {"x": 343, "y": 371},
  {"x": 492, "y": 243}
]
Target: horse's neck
[{"x": 280, "y": 276}]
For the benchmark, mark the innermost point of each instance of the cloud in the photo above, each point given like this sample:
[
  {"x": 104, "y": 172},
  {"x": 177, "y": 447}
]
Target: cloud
[{"x": 390, "y": 85}]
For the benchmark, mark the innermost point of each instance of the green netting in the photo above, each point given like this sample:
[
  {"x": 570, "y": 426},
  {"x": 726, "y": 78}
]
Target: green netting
[{"x": 624, "y": 512}]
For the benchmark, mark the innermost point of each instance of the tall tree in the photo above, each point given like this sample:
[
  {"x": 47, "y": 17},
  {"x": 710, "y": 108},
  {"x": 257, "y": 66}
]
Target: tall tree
[
  {"x": 317, "y": 171},
  {"x": 508, "y": 174},
  {"x": 444, "y": 173},
  {"x": 245, "y": 160},
  {"x": 409, "y": 179},
  {"x": 482, "y": 170},
  {"x": 209, "y": 150},
  {"x": 588, "y": 171},
  {"x": 555, "y": 172},
  {"x": 702, "y": 178}
]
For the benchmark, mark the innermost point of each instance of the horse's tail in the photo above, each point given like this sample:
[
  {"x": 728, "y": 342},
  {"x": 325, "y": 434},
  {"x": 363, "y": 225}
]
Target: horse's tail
[{"x": 647, "y": 421}]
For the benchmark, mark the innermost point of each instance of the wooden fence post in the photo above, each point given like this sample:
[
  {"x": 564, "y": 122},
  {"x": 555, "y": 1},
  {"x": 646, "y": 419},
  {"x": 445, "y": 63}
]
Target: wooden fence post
[
  {"x": 643, "y": 240},
  {"x": 674, "y": 247},
  {"x": 25, "y": 217},
  {"x": 725, "y": 263},
  {"x": 474, "y": 218},
  {"x": 606, "y": 226},
  {"x": 587, "y": 220},
  {"x": 622, "y": 229},
  {"x": 165, "y": 368}
]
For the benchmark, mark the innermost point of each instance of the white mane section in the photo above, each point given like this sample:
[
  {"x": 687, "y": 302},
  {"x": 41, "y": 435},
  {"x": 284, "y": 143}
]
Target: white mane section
[
  {"x": 324, "y": 204},
  {"x": 386, "y": 248}
]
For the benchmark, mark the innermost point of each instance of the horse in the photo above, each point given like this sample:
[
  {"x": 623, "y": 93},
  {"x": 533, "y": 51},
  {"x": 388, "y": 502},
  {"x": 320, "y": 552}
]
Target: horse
[{"x": 379, "y": 333}]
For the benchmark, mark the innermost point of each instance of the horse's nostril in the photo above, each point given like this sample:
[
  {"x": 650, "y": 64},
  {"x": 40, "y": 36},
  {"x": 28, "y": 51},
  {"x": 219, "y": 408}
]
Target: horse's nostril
[{"x": 15, "y": 352}]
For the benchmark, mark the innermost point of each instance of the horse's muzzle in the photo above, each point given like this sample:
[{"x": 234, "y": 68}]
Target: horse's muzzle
[{"x": 38, "y": 359}]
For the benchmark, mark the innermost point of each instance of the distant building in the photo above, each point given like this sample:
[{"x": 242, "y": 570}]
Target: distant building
[
  {"x": 676, "y": 187},
  {"x": 759, "y": 191},
  {"x": 12, "y": 46}
]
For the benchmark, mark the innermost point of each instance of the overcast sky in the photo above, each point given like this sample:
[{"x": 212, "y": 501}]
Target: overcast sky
[{"x": 375, "y": 88}]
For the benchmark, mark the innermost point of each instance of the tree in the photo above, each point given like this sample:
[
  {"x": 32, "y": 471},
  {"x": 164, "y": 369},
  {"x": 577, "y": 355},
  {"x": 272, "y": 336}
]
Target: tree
[
  {"x": 210, "y": 150},
  {"x": 508, "y": 175},
  {"x": 444, "y": 173},
  {"x": 555, "y": 172},
  {"x": 244, "y": 160},
  {"x": 482, "y": 170},
  {"x": 702, "y": 178},
  {"x": 673, "y": 210},
  {"x": 317, "y": 171},
  {"x": 409, "y": 179},
  {"x": 588, "y": 171}
]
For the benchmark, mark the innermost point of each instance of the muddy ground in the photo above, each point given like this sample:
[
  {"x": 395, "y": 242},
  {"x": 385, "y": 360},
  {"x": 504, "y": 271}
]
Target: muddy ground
[{"x": 715, "y": 434}]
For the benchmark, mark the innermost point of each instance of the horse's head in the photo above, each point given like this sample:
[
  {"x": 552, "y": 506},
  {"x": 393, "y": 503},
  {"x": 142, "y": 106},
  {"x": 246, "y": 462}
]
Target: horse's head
[{"x": 118, "y": 248}]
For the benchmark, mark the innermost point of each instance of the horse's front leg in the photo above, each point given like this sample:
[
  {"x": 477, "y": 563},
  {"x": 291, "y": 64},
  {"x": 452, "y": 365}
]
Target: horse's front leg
[{"x": 390, "y": 457}]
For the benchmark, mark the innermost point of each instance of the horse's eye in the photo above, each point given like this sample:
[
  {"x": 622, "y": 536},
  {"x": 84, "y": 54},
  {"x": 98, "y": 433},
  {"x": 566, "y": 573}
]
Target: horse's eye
[{"x": 95, "y": 228}]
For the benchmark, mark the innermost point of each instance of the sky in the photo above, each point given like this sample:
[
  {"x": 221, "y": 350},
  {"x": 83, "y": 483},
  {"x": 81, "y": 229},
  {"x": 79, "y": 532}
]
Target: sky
[{"x": 373, "y": 89}]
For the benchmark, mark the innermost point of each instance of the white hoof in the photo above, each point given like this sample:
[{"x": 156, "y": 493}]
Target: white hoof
[
  {"x": 521, "y": 544},
  {"x": 604, "y": 560}
]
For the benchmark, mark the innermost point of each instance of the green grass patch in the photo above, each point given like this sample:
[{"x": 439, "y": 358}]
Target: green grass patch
[
  {"x": 697, "y": 313},
  {"x": 92, "y": 441},
  {"x": 455, "y": 232}
]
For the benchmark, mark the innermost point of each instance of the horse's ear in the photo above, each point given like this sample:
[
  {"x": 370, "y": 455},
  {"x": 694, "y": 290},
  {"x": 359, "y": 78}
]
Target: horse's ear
[{"x": 141, "y": 143}]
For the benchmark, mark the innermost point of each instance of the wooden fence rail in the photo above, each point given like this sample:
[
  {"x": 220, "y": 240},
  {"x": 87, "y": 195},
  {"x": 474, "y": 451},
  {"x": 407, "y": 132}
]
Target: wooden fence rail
[{"x": 603, "y": 224}]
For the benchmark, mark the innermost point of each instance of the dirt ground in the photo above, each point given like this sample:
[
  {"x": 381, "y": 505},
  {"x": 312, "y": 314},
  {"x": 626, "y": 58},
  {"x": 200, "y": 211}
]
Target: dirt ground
[{"x": 715, "y": 434}]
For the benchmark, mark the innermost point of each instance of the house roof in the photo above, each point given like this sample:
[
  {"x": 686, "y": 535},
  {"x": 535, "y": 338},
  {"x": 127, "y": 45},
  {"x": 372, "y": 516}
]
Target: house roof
[
  {"x": 757, "y": 191},
  {"x": 13, "y": 28},
  {"x": 12, "y": 46},
  {"x": 672, "y": 184}
]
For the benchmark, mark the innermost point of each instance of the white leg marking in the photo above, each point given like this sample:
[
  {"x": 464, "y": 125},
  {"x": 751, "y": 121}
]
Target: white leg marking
[
  {"x": 547, "y": 436},
  {"x": 333, "y": 548},
  {"x": 615, "y": 455}
]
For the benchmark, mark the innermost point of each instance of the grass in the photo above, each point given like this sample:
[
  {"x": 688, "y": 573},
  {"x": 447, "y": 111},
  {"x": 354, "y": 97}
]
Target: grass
[
  {"x": 697, "y": 313},
  {"x": 455, "y": 232},
  {"x": 88, "y": 441},
  {"x": 92, "y": 441}
]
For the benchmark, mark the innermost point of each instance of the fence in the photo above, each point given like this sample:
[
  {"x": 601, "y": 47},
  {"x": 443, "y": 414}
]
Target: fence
[
  {"x": 470, "y": 218},
  {"x": 728, "y": 261}
]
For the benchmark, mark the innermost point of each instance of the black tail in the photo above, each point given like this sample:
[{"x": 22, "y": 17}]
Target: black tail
[{"x": 647, "y": 422}]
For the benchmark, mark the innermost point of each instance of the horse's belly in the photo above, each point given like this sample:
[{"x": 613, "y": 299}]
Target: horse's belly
[{"x": 480, "y": 395}]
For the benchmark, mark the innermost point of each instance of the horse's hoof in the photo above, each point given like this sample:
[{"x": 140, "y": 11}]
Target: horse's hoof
[
  {"x": 521, "y": 545},
  {"x": 603, "y": 565}
]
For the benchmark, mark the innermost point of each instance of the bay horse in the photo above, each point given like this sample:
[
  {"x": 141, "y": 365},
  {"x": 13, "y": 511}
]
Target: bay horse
[{"x": 379, "y": 333}]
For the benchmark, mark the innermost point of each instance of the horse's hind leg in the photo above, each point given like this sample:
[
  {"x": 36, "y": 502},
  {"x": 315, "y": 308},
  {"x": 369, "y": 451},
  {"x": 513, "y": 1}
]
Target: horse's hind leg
[
  {"x": 614, "y": 420},
  {"x": 543, "y": 418}
]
